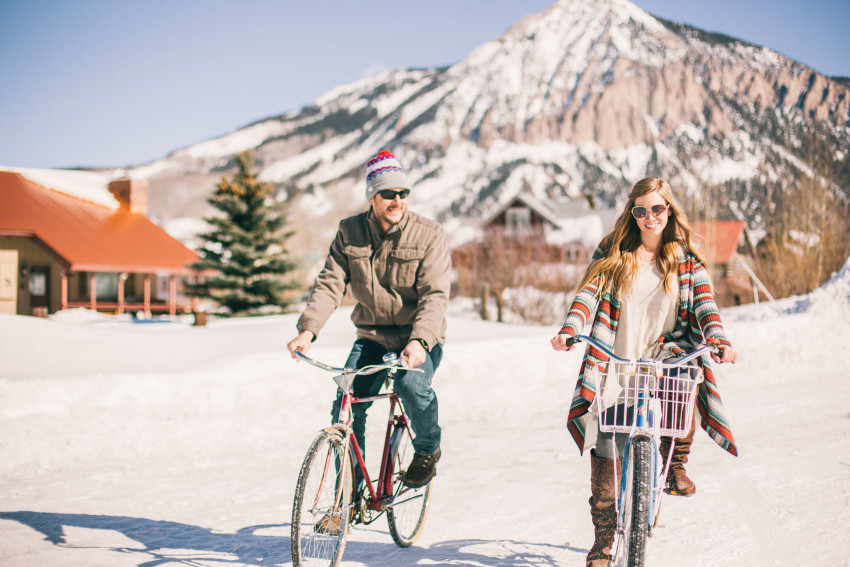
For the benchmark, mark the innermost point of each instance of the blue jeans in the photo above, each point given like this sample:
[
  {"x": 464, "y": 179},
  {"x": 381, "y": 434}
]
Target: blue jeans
[{"x": 413, "y": 389}]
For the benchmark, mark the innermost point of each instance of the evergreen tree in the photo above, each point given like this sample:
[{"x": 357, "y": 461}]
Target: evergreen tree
[{"x": 246, "y": 247}]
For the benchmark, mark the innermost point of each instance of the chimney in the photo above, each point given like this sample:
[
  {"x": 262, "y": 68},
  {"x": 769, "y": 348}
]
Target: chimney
[{"x": 132, "y": 194}]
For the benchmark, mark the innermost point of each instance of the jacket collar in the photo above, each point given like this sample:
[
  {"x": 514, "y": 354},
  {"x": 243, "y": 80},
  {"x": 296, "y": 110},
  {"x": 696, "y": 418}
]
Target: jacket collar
[{"x": 376, "y": 230}]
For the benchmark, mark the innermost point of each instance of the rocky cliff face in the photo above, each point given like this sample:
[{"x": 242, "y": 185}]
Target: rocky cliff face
[{"x": 579, "y": 101}]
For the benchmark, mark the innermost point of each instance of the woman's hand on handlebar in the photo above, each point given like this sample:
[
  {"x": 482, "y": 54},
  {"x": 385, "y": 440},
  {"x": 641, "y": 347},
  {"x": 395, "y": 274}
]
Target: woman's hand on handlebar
[
  {"x": 727, "y": 354},
  {"x": 559, "y": 342}
]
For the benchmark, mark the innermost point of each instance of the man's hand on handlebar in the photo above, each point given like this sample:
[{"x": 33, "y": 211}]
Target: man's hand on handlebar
[
  {"x": 413, "y": 354},
  {"x": 300, "y": 343}
]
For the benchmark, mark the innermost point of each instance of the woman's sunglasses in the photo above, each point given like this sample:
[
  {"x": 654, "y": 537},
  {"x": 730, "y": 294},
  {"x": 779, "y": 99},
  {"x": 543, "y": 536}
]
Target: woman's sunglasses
[
  {"x": 640, "y": 212},
  {"x": 389, "y": 195}
]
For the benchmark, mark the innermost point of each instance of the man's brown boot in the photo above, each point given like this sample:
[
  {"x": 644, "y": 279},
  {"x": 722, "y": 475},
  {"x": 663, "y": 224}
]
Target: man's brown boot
[
  {"x": 678, "y": 483},
  {"x": 602, "y": 510}
]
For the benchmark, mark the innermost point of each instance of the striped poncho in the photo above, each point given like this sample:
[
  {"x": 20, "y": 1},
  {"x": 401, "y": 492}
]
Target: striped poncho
[{"x": 697, "y": 321}]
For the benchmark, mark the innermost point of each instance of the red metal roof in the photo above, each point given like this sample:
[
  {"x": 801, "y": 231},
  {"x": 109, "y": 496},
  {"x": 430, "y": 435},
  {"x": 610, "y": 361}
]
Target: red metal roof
[
  {"x": 87, "y": 236},
  {"x": 718, "y": 240}
]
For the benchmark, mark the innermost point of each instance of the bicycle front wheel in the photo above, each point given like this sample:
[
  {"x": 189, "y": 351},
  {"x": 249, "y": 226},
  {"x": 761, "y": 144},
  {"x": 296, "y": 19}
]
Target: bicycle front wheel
[
  {"x": 320, "y": 512},
  {"x": 409, "y": 508},
  {"x": 635, "y": 507}
]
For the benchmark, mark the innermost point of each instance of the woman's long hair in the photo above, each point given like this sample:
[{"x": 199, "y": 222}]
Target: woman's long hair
[{"x": 617, "y": 268}]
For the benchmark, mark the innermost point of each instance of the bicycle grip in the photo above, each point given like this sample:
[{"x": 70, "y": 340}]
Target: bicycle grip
[{"x": 715, "y": 346}]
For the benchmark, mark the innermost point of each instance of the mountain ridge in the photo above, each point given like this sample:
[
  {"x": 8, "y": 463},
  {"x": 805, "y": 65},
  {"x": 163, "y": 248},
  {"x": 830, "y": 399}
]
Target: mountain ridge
[{"x": 578, "y": 101}]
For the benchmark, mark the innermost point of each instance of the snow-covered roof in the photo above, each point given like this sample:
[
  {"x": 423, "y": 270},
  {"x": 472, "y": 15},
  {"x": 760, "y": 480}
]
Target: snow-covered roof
[{"x": 570, "y": 220}]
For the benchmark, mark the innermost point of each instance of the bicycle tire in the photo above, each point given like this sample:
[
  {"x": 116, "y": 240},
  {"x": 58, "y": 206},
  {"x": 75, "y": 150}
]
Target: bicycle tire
[
  {"x": 407, "y": 514},
  {"x": 635, "y": 507},
  {"x": 324, "y": 472}
]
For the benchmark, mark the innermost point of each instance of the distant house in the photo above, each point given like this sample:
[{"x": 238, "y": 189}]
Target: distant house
[
  {"x": 570, "y": 225},
  {"x": 526, "y": 241},
  {"x": 725, "y": 247},
  {"x": 58, "y": 251}
]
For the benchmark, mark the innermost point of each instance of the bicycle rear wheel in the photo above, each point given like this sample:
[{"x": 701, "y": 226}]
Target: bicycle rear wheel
[
  {"x": 409, "y": 509},
  {"x": 635, "y": 506},
  {"x": 320, "y": 512}
]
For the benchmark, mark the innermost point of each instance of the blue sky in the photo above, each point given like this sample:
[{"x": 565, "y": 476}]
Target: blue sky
[{"x": 119, "y": 82}]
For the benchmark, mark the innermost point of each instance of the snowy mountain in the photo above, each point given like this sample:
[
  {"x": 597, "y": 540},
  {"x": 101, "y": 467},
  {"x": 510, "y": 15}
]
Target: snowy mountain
[{"x": 578, "y": 101}]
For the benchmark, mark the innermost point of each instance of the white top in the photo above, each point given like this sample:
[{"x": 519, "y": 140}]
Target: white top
[{"x": 646, "y": 313}]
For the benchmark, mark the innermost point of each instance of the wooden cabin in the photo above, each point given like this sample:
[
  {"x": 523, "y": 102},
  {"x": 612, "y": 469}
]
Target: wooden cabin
[
  {"x": 569, "y": 226},
  {"x": 58, "y": 251},
  {"x": 727, "y": 253}
]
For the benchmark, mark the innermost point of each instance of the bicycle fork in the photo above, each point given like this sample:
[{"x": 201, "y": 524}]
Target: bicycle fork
[
  {"x": 644, "y": 420},
  {"x": 339, "y": 507}
]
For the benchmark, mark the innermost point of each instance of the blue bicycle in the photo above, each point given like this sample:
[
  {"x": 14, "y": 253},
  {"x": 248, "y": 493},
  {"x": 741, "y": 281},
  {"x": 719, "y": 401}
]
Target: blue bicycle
[{"x": 645, "y": 399}]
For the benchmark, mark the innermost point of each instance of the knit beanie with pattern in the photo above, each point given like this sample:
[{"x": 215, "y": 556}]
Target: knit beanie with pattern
[{"x": 384, "y": 171}]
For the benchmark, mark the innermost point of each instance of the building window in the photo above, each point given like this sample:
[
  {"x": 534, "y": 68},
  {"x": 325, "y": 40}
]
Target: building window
[
  {"x": 38, "y": 282},
  {"x": 107, "y": 286},
  {"x": 517, "y": 221},
  {"x": 163, "y": 286}
]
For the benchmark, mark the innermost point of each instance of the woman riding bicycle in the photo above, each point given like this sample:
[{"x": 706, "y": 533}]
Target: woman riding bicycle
[{"x": 651, "y": 295}]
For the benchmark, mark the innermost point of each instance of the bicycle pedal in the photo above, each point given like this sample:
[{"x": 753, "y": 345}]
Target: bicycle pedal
[
  {"x": 357, "y": 512},
  {"x": 673, "y": 492}
]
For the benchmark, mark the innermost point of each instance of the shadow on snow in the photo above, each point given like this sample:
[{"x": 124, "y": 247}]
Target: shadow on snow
[{"x": 167, "y": 542}]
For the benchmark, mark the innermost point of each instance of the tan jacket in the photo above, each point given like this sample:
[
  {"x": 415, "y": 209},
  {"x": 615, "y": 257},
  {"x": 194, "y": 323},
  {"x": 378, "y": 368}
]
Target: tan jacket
[{"x": 400, "y": 282}]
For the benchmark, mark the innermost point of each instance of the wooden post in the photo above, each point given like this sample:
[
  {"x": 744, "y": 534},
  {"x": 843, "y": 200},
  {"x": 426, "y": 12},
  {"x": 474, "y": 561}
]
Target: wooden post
[
  {"x": 147, "y": 296},
  {"x": 200, "y": 318},
  {"x": 121, "y": 279},
  {"x": 63, "y": 289},
  {"x": 485, "y": 299},
  {"x": 93, "y": 290},
  {"x": 172, "y": 295}
]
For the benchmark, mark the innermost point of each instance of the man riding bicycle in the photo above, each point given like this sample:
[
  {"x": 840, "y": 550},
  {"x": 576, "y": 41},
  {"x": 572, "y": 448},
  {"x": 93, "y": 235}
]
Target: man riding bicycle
[{"x": 396, "y": 266}]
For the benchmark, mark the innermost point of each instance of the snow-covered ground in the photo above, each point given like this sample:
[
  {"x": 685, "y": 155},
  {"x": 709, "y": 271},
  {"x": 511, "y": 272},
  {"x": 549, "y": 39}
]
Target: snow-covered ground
[{"x": 166, "y": 444}]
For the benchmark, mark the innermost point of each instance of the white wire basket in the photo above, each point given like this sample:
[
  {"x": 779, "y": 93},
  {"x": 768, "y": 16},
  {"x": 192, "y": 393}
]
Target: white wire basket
[{"x": 669, "y": 392}]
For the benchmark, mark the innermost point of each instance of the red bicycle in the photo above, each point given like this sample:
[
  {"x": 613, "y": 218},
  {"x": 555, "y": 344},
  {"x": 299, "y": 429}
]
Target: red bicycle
[{"x": 324, "y": 508}]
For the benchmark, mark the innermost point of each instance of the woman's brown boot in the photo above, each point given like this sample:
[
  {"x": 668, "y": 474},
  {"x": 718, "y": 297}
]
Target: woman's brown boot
[
  {"x": 678, "y": 483},
  {"x": 602, "y": 510}
]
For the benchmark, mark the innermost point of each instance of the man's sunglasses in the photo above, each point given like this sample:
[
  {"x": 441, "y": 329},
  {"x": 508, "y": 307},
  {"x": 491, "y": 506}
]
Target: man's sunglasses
[
  {"x": 389, "y": 195},
  {"x": 640, "y": 212}
]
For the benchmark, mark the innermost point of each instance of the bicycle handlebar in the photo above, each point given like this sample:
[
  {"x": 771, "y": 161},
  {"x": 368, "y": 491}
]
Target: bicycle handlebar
[
  {"x": 393, "y": 364},
  {"x": 702, "y": 349}
]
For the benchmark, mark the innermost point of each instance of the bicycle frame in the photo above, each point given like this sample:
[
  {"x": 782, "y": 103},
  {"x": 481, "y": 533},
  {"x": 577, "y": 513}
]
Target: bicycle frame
[
  {"x": 383, "y": 493},
  {"x": 380, "y": 498}
]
